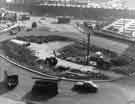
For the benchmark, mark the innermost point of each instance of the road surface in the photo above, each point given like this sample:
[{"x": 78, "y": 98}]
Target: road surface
[
  {"x": 109, "y": 93},
  {"x": 118, "y": 92}
]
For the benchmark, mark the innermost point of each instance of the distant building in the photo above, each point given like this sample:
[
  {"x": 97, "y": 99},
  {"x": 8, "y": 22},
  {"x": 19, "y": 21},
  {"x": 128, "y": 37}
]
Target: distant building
[
  {"x": 23, "y": 1},
  {"x": 124, "y": 27},
  {"x": 87, "y": 3}
]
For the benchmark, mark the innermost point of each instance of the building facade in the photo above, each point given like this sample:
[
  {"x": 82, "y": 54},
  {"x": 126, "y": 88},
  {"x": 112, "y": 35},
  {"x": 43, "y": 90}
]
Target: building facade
[{"x": 23, "y": 1}]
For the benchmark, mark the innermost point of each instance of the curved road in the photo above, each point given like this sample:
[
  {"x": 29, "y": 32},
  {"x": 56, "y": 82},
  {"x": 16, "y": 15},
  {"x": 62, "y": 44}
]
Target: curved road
[{"x": 118, "y": 92}]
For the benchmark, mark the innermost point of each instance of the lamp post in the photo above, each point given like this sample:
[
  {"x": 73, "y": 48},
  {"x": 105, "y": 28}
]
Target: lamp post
[
  {"x": 88, "y": 48},
  {"x": 89, "y": 32}
]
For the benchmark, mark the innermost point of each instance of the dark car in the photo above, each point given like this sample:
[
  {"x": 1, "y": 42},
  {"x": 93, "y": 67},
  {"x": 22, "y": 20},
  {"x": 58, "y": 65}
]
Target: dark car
[
  {"x": 85, "y": 87},
  {"x": 48, "y": 87},
  {"x": 12, "y": 81}
]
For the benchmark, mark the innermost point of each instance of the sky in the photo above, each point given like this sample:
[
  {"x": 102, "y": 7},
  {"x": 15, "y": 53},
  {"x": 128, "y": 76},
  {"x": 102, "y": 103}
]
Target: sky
[{"x": 131, "y": 3}]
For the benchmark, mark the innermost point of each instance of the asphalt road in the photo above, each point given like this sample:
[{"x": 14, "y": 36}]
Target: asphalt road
[
  {"x": 109, "y": 93},
  {"x": 119, "y": 92}
]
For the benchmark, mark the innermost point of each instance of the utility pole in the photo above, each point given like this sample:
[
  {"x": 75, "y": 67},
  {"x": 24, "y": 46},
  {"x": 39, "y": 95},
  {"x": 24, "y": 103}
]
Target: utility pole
[
  {"x": 88, "y": 48},
  {"x": 89, "y": 32}
]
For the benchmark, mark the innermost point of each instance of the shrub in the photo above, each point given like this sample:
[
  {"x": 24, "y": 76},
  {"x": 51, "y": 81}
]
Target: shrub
[
  {"x": 121, "y": 60},
  {"x": 19, "y": 53},
  {"x": 61, "y": 68},
  {"x": 37, "y": 39},
  {"x": 124, "y": 71}
]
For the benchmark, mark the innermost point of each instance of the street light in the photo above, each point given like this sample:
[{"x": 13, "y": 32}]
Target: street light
[{"x": 89, "y": 32}]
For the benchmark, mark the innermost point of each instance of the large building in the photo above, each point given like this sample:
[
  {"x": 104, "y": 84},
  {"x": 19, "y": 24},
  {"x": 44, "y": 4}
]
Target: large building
[
  {"x": 85, "y": 3},
  {"x": 23, "y": 1},
  {"x": 122, "y": 27},
  {"x": 91, "y": 9}
]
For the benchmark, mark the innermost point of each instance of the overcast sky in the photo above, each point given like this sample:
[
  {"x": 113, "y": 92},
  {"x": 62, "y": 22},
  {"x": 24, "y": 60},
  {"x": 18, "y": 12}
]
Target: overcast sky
[{"x": 131, "y": 3}]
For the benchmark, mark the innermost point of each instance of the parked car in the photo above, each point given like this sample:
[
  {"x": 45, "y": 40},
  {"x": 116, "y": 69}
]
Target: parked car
[
  {"x": 85, "y": 87},
  {"x": 42, "y": 86},
  {"x": 12, "y": 81}
]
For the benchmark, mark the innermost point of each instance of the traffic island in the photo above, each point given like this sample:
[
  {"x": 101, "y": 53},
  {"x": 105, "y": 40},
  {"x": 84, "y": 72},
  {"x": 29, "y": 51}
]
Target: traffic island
[{"x": 22, "y": 55}]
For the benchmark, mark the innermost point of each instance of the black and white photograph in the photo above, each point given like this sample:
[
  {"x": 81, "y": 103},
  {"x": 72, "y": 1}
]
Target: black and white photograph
[{"x": 67, "y": 52}]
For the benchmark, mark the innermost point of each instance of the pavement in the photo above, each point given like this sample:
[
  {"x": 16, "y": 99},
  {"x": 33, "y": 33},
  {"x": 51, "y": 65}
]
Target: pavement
[{"x": 4, "y": 100}]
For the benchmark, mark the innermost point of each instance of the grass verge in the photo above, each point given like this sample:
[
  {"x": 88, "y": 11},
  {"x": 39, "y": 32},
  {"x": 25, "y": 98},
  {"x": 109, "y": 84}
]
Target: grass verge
[{"x": 27, "y": 58}]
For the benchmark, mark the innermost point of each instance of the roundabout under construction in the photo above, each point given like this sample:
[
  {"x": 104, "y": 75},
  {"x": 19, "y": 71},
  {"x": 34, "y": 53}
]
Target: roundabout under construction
[{"x": 21, "y": 60}]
